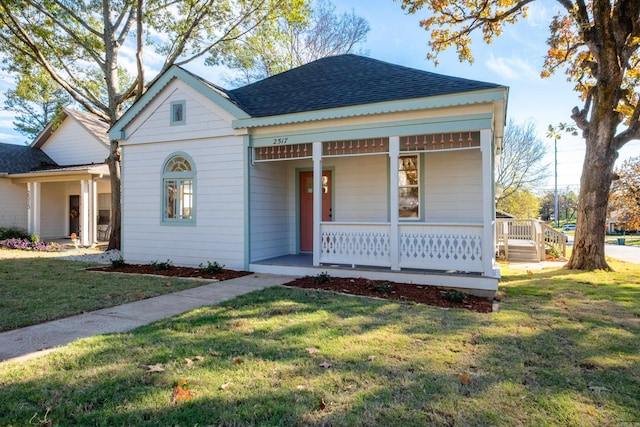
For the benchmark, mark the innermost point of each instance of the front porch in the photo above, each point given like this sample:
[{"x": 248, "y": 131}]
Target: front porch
[
  {"x": 416, "y": 209},
  {"x": 66, "y": 201}
]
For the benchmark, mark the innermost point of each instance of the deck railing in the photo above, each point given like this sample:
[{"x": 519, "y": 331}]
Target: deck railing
[{"x": 420, "y": 246}]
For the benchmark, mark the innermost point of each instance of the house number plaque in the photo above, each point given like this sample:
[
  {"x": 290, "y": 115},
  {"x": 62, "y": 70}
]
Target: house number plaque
[{"x": 280, "y": 141}]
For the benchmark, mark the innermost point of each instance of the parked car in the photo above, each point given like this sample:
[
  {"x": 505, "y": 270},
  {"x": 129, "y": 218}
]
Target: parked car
[{"x": 569, "y": 227}]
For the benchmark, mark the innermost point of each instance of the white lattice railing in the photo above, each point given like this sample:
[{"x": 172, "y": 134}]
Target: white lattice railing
[
  {"x": 421, "y": 246},
  {"x": 441, "y": 247},
  {"x": 355, "y": 243}
]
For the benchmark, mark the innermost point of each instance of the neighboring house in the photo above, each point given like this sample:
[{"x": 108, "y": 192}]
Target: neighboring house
[
  {"x": 347, "y": 165},
  {"x": 60, "y": 183}
]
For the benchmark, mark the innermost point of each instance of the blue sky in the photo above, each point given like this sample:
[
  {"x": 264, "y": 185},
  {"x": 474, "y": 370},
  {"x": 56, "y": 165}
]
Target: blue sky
[{"x": 514, "y": 60}]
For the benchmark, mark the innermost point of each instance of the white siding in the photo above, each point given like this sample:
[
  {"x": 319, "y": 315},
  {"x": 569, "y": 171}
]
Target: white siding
[
  {"x": 13, "y": 204},
  {"x": 453, "y": 182},
  {"x": 218, "y": 233},
  {"x": 72, "y": 144},
  {"x": 203, "y": 119},
  {"x": 361, "y": 187},
  {"x": 270, "y": 216},
  {"x": 54, "y": 208}
]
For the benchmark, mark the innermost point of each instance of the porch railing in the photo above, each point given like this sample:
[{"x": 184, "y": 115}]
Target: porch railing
[
  {"x": 541, "y": 236},
  {"x": 420, "y": 246},
  {"x": 355, "y": 243}
]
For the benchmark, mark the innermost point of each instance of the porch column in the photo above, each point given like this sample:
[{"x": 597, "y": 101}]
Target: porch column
[
  {"x": 93, "y": 222},
  {"x": 33, "y": 208},
  {"x": 85, "y": 204},
  {"x": 317, "y": 201},
  {"x": 394, "y": 239},
  {"x": 488, "y": 204}
]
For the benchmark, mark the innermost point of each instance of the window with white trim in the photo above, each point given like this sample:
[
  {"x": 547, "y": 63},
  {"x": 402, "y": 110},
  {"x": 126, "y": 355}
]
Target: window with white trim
[
  {"x": 178, "y": 182},
  {"x": 408, "y": 187}
]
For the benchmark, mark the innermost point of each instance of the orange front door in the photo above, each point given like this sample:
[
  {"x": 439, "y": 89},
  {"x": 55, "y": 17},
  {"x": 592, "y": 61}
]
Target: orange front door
[{"x": 306, "y": 207}]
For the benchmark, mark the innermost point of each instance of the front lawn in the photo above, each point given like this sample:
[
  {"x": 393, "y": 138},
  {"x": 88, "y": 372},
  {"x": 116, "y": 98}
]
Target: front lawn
[
  {"x": 562, "y": 350},
  {"x": 36, "y": 287}
]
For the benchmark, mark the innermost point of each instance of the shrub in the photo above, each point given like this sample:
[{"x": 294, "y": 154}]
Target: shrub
[
  {"x": 13, "y": 233},
  {"x": 323, "y": 277},
  {"x": 384, "y": 287},
  {"x": 167, "y": 265},
  {"x": 118, "y": 262},
  {"x": 455, "y": 296},
  {"x": 211, "y": 268}
]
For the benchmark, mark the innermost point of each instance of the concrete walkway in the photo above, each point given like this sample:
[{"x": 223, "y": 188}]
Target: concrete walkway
[{"x": 36, "y": 340}]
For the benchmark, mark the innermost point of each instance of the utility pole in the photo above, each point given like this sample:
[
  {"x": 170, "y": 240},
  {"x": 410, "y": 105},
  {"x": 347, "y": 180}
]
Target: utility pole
[{"x": 555, "y": 193}]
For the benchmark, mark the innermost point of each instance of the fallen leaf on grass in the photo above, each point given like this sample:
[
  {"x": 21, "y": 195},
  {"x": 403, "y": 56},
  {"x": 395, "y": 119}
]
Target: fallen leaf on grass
[
  {"x": 190, "y": 362},
  {"x": 140, "y": 295},
  {"x": 158, "y": 367},
  {"x": 180, "y": 393},
  {"x": 168, "y": 284},
  {"x": 371, "y": 358},
  {"x": 312, "y": 350},
  {"x": 225, "y": 386},
  {"x": 465, "y": 378},
  {"x": 325, "y": 365},
  {"x": 237, "y": 360},
  {"x": 323, "y": 405}
]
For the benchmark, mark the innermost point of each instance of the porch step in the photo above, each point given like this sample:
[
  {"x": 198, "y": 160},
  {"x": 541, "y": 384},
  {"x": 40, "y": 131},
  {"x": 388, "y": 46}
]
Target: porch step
[{"x": 520, "y": 253}]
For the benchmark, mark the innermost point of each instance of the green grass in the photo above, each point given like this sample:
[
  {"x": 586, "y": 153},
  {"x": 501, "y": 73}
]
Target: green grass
[
  {"x": 562, "y": 350},
  {"x": 35, "y": 290}
]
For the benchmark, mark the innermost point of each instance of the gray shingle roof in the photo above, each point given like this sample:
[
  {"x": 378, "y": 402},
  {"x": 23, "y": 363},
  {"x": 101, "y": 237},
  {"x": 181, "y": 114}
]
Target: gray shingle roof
[
  {"x": 22, "y": 158},
  {"x": 344, "y": 80}
]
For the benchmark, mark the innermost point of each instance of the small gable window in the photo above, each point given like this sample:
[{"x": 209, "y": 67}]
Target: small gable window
[
  {"x": 178, "y": 113},
  {"x": 178, "y": 188}
]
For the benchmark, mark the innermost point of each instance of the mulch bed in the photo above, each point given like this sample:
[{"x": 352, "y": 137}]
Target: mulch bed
[
  {"x": 184, "y": 272},
  {"x": 429, "y": 295}
]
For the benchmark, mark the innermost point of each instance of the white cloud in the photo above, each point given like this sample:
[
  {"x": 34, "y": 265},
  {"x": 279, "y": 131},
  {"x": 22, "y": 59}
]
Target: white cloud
[{"x": 513, "y": 68}]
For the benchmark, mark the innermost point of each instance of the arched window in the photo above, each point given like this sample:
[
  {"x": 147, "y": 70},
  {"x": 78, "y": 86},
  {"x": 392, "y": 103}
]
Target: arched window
[{"x": 178, "y": 187}]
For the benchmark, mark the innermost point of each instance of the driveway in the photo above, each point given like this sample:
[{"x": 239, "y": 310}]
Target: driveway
[{"x": 622, "y": 252}]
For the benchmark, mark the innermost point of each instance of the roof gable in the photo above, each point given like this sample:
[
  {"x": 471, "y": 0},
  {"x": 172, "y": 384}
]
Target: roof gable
[
  {"x": 95, "y": 126},
  {"x": 343, "y": 81},
  {"x": 22, "y": 158},
  {"x": 216, "y": 94}
]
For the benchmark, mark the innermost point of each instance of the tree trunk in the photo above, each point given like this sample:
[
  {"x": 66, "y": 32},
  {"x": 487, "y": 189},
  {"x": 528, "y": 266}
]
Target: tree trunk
[
  {"x": 116, "y": 208},
  {"x": 597, "y": 172}
]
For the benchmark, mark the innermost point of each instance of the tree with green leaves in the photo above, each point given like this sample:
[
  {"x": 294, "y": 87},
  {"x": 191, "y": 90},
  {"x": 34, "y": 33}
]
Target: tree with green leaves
[
  {"x": 35, "y": 100},
  {"x": 521, "y": 203},
  {"x": 521, "y": 168},
  {"x": 596, "y": 43},
  {"x": 96, "y": 49},
  {"x": 318, "y": 32}
]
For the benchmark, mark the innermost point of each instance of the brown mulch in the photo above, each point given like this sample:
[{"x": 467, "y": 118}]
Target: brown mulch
[
  {"x": 186, "y": 272},
  {"x": 429, "y": 295}
]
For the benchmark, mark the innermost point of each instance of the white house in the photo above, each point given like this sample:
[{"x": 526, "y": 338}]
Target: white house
[
  {"x": 59, "y": 184},
  {"x": 347, "y": 165}
]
